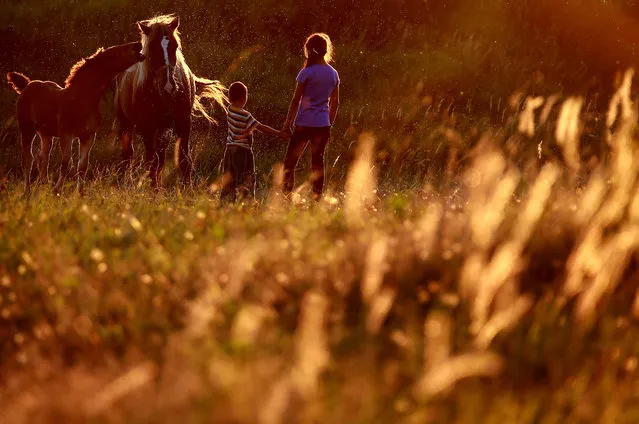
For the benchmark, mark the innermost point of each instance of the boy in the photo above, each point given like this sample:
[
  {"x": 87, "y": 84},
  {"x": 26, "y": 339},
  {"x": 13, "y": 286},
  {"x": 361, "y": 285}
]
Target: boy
[{"x": 239, "y": 163}]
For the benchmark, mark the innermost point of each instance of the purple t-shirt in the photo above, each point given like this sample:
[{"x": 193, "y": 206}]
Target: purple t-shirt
[{"x": 319, "y": 82}]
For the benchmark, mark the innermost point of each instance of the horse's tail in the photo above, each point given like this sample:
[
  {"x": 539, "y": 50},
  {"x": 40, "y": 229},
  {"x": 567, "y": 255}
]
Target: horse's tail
[
  {"x": 17, "y": 81},
  {"x": 210, "y": 90}
]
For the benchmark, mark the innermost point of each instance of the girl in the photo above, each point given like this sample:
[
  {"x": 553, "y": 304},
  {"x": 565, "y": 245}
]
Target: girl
[{"x": 313, "y": 110}]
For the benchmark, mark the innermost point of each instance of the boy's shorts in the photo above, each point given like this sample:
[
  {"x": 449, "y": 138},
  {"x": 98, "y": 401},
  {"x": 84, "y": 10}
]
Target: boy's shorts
[{"x": 239, "y": 170}]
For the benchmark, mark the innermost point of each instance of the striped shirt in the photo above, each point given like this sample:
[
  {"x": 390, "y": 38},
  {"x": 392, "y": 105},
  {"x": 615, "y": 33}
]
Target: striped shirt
[{"x": 241, "y": 126}]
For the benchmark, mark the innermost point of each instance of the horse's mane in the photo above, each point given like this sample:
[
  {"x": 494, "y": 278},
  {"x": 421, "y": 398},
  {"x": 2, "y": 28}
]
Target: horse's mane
[{"x": 83, "y": 66}]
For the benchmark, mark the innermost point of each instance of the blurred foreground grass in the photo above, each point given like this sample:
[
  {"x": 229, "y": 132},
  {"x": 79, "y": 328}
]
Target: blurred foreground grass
[{"x": 506, "y": 294}]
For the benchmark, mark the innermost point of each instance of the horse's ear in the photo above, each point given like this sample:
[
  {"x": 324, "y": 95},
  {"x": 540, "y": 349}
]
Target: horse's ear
[
  {"x": 144, "y": 27},
  {"x": 175, "y": 23}
]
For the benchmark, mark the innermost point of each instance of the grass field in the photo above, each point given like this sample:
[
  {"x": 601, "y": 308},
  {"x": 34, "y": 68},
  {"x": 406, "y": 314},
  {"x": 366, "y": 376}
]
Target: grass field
[
  {"x": 474, "y": 259},
  {"x": 509, "y": 296}
]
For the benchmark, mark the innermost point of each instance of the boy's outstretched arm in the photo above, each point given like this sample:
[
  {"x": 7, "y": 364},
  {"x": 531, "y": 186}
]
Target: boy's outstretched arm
[{"x": 265, "y": 129}]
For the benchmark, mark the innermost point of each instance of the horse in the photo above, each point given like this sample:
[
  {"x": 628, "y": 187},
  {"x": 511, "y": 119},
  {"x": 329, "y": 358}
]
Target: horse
[
  {"x": 160, "y": 94},
  {"x": 50, "y": 110}
]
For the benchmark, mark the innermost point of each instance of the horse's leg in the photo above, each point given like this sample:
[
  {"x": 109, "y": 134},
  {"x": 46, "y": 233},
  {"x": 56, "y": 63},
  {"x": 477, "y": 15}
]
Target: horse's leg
[
  {"x": 160, "y": 156},
  {"x": 183, "y": 130},
  {"x": 43, "y": 157},
  {"x": 126, "y": 139},
  {"x": 125, "y": 133},
  {"x": 26, "y": 139},
  {"x": 149, "y": 139},
  {"x": 86, "y": 143},
  {"x": 65, "y": 150}
]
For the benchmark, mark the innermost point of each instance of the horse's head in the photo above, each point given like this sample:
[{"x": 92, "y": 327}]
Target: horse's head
[
  {"x": 105, "y": 64},
  {"x": 118, "y": 59},
  {"x": 161, "y": 42}
]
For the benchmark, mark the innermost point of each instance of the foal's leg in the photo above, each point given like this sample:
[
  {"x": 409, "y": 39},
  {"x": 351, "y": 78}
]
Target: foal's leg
[
  {"x": 43, "y": 157},
  {"x": 65, "y": 150},
  {"x": 26, "y": 139},
  {"x": 86, "y": 143},
  {"x": 185, "y": 162}
]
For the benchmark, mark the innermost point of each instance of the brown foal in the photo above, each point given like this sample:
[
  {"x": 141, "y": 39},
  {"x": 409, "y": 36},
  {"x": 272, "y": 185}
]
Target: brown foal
[{"x": 46, "y": 109}]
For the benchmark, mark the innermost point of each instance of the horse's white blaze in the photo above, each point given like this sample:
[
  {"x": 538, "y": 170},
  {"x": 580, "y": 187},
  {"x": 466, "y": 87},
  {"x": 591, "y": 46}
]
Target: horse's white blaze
[
  {"x": 141, "y": 69},
  {"x": 165, "y": 47}
]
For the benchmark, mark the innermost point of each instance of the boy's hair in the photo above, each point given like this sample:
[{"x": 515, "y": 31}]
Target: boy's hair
[
  {"x": 317, "y": 46},
  {"x": 237, "y": 91}
]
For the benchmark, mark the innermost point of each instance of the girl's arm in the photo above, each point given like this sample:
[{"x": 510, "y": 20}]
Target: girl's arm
[
  {"x": 334, "y": 105},
  {"x": 265, "y": 129},
  {"x": 292, "y": 108}
]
